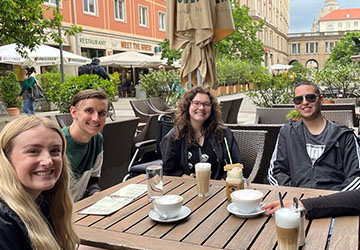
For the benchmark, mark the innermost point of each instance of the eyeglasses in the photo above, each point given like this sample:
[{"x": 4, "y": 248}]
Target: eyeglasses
[
  {"x": 197, "y": 104},
  {"x": 309, "y": 97}
]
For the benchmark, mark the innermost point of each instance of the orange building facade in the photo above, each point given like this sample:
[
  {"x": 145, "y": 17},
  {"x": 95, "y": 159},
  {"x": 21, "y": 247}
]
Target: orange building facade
[{"x": 113, "y": 26}]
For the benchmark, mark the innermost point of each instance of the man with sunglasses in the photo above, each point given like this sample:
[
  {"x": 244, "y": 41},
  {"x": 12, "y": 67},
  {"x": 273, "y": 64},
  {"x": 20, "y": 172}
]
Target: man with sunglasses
[
  {"x": 315, "y": 152},
  {"x": 85, "y": 142}
]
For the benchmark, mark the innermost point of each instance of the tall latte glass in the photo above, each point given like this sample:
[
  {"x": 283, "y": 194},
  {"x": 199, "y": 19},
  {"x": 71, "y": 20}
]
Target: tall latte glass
[
  {"x": 287, "y": 228},
  {"x": 202, "y": 172}
]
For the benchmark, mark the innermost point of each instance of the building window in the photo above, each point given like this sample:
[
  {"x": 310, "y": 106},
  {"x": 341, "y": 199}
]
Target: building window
[
  {"x": 339, "y": 24},
  {"x": 356, "y": 24},
  {"x": 162, "y": 21},
  {"x": 312, "y": 48},
  {"x": 295, "y": 48},
  {"x": 330, "y": 26},
  {"x": 52, "y": 2},
  {"x": 119, "y": 10},
  {"x": 90, "y": 6},
  {"x": 347, "y": 24},
  {"x": 143, "y": 16}
]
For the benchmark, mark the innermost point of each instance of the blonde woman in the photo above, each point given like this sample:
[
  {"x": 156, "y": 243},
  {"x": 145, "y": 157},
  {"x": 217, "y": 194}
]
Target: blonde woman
[{"x": 35, "y": 202}]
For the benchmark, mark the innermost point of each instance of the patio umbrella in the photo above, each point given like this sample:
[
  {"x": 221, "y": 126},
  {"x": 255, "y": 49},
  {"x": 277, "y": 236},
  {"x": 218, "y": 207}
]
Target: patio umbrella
[
  {"x": 42, "y": 55},
  {"x": 280, "y": 67},
  {"x": 131, "y": 59},
  {"x": 195, "y": 27}
]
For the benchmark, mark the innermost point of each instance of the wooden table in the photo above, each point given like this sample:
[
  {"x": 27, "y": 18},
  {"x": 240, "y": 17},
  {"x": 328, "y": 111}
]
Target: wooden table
[{"x": 210, "y": 225}]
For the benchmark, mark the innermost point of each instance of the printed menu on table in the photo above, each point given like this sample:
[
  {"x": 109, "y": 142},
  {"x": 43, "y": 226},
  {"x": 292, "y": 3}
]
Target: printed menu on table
[{"x": 115, "y": 201}]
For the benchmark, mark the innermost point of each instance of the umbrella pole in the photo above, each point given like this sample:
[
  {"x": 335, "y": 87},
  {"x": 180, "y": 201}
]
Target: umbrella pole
[
  {"x": 198, "y": 77},
  {"x": 189, "y": 81},
  {"x": 61, "y": 47}
]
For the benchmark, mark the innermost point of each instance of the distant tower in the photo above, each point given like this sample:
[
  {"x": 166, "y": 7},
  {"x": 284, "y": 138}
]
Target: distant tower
[{"x": 329, "y": 6}]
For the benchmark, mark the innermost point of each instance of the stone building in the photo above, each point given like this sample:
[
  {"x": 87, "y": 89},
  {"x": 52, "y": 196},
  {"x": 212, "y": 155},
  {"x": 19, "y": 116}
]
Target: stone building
[{"x": 329, "y": 6}]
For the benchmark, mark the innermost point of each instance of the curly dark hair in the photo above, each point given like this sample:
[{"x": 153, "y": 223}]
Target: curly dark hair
[
  {"x": 29, "y": 71},
  {"x": 212, "y": 126}
]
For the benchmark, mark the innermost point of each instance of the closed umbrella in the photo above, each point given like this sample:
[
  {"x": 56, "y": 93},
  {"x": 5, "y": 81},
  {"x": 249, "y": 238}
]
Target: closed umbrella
[
  {"x": 195, "y": 26},
  {"x": 42, "y": 55}
]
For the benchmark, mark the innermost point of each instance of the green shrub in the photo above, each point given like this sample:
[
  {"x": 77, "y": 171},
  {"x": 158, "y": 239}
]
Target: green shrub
[
  {"x": 164, "y": 84},
  {"x": 232, "y": 71},
  {"x": 10, "y": 89},
  {"x": 267, "y": 89},
  {"x": 75, "y": 84},
  {"x": 51, "y": 84}
]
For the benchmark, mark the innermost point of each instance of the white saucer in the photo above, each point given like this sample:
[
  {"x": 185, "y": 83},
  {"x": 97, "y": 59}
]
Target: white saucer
[
  {"x": 233, "y": 209},
  {"x": 185, "y": 212}
]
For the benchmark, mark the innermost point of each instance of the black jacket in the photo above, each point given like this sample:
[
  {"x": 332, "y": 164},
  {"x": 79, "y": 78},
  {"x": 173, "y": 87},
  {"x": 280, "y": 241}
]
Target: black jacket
[
  {"x": 13, "y": 233},
  {"x": 174, "y": 154},
  {"x": 336, "y": 168},
  {"x": 339, "y": 204}
]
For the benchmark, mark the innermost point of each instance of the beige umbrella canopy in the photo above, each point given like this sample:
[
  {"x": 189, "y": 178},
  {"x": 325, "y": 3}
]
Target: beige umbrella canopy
[{"x": 195, "y": 27}]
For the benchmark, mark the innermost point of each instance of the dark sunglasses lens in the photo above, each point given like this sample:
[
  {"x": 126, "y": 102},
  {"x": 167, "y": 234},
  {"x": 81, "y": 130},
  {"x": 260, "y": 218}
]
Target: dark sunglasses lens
[
  {"x": 298, "y": 100},
  {"x": 310, "y": 98}
]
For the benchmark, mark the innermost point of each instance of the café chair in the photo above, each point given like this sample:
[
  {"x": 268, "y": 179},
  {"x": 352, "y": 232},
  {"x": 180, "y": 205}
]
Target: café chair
[
  {"x": 158, "y": 105},
  {"x": 142, "y": 109},
  {"x": 64, "y": 120},
  {"x": 251, "y": 148},
  {"x": 270, "y": 142},
  {"x": 225, "y": 107},
  {"x": 138, "y": 164},
  {"x": 117, "y": 145},
  {"x": 234, "y": 111}
]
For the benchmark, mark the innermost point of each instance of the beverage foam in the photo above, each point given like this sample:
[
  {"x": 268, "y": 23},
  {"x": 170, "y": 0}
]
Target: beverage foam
[
  {"x": 247, "y": 194},
  {"x": 202, "y": 166},
  {"x": 287, "y": 217},
  {"x": 169, "y": 199}
]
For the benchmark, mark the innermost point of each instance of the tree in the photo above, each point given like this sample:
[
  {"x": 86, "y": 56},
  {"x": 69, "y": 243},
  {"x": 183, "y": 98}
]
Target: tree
[
  {"x": 167, "y": 53},
  {"x": 344, "y": 49},
  {"x": 24, "y": 22},
  {"x": 243, "y": 43}
]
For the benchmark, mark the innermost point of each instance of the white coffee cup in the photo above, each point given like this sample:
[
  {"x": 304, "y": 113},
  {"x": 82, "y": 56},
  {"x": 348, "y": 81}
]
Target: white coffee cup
[
  {"x": 168, "y": 206},
  {"x": 247, "y": 200}
]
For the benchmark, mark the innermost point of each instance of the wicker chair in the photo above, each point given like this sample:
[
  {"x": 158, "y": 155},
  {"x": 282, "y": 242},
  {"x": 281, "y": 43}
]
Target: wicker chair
[
  {"x": 118, "y": 141},
  {"x": 142, "y": 109},
  {"x": 64, "y": 120},
  {"x": 251, "y": 146},
  {"x": 270, "y": 142}
]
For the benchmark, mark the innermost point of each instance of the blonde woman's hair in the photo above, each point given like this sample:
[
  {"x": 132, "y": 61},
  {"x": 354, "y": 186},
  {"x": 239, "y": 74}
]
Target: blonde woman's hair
[{"x": 58, "y": 198}]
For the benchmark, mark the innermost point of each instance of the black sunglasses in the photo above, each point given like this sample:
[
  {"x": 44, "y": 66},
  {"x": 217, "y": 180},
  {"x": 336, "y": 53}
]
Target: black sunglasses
[{"x": 309, "y": 97}]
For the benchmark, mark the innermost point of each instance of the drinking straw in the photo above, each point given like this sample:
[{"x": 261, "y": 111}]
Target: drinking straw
[
  {"x": 281, "y": 201},
  {"x": 200, "y": 155},
  {"x": 296, "y": 201},
  {"x": 228, "y": 151}
]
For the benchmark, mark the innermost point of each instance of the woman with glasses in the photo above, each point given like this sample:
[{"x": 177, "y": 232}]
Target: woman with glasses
[
  {"x": 198, "y": 136},
  {"x": 314, "y": 152}
]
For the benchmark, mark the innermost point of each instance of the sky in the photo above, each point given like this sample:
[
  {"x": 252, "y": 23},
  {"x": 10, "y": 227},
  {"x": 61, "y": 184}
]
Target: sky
[{"x": 303, "y": 12}]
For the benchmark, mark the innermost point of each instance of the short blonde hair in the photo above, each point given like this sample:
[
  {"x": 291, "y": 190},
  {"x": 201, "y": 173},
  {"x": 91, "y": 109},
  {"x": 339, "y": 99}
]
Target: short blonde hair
[{"x": 15, "y": 196}]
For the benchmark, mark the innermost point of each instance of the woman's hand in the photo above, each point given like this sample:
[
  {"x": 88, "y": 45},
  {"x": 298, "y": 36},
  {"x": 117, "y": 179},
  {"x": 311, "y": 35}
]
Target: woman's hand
[
  {"x": 274, "y": 205},
  {"x": 18, "y": 98}
]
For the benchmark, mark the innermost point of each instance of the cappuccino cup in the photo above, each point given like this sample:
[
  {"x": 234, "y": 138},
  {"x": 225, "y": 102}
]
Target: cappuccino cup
[
  {"x": 202, "y": 172},
  {"x": 168, "y": 206},
  {"x": 247, "y": 200},
  {"x": 287, "y": 228}
]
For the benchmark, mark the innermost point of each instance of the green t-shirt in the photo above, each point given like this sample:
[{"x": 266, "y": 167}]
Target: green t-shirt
[{"x": 85, "y": 161}]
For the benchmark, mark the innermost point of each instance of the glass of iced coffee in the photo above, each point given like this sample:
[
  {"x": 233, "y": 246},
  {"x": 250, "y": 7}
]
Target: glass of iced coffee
[
  {"x": 202, "y": 172},
  {"x": 287, "y": 228}
]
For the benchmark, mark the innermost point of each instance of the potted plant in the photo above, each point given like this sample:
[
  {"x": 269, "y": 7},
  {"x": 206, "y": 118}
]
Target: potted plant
[
  {"x": 10, "y": 89},
  {"x": 329, "y": 101},
  {"x": 293, "y": 114}
]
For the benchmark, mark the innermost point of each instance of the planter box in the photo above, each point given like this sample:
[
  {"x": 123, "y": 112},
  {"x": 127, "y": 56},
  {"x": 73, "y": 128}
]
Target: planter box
[
  {"x": 215, "y": 92},
  {"x": 222, "y": 90}
]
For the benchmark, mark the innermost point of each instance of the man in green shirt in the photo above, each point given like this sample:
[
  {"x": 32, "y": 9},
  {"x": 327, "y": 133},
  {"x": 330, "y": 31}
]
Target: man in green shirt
[{"x": 85, "y": 142}]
